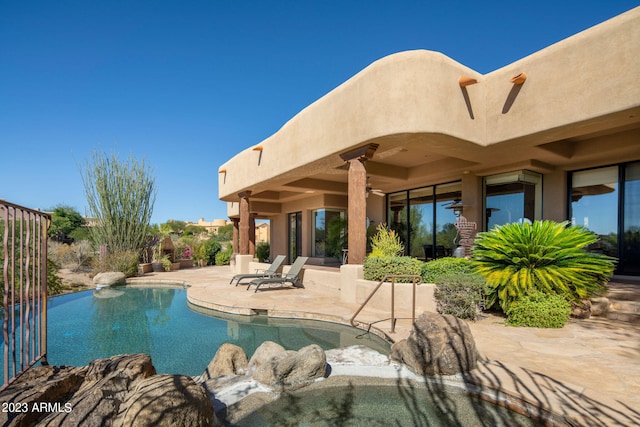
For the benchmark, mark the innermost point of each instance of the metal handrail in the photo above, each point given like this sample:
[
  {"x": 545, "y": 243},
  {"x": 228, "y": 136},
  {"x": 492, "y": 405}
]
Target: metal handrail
[{"x": 416, "y": 280}]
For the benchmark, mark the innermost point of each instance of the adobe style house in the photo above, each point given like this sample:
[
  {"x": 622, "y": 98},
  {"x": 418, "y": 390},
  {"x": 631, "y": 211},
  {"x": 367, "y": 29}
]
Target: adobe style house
[{"x": 555, "y": 135}]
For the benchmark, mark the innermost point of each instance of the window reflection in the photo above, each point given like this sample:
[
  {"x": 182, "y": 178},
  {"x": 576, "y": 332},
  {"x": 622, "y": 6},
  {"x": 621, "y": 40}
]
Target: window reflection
[
  {"x": 512, "y": 197},
  {"x": 329, "y": 232},
  {"x": 594, "y": 205}
]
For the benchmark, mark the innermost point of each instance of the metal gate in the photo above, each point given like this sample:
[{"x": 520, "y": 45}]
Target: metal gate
[{"x": 23, "y": 256}]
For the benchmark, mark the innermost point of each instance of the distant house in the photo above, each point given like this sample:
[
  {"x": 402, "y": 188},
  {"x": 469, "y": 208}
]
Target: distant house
[
  {"x": 262, "y": 232},
  {"x": 554, "y": 135},
  {"x": 212, "y": 226}
]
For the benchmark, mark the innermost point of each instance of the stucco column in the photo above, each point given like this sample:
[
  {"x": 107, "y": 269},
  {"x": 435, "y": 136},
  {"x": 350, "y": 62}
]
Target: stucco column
[
  {"x": 357, "y": 205},
  {"x": 244, "y": 222},
  {"x": 357, "y": 211},
  {"x": 234, "y": 240},
  {"x": 252, "y": 234}
]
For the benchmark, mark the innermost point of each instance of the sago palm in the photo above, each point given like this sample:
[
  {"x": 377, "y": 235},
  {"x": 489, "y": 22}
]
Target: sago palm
[{"x": 517, "y": 259}]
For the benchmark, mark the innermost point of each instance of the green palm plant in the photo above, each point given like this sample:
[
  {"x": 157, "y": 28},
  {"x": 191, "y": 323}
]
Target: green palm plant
[{"x": 518, "y": 259}]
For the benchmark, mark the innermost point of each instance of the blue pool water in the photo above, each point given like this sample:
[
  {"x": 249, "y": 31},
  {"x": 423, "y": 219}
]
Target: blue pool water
[{"x": 158, "y": 321}]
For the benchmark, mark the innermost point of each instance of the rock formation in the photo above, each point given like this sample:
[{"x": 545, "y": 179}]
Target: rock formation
[
  {"x": 109, "y": 278},
  {"x": 437, "y": 345},
  {"x": 94, "y": 395},
  {"x": 229, "y": 360}
]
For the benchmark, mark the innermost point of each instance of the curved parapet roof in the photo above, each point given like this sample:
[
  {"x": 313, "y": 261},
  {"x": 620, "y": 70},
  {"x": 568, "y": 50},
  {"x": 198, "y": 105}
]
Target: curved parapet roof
[{"x": 423, "y": 116}]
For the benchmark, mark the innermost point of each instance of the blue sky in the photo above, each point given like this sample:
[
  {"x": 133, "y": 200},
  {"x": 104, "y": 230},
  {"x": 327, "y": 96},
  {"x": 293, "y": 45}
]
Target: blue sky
[{"x": 185, "y": 85}]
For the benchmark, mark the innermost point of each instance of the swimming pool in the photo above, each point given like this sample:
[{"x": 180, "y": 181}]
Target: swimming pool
[
  {"x": 158, "y": 321},
  {"x": 399, "y": 405}
]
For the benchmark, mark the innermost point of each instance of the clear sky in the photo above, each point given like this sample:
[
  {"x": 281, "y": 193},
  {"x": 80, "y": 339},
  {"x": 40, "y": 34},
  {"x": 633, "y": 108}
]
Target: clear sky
[{"x": 185, "y": 85}]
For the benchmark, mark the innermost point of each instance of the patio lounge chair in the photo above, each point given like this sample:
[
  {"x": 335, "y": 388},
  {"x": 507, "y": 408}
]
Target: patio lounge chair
[
  {"x": 272, "y": 271},
  {"x": 292, "y": 276}
]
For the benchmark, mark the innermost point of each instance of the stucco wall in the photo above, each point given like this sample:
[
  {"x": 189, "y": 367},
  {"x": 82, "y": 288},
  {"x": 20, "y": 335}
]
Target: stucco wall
[{"x": 569, "y": 88}]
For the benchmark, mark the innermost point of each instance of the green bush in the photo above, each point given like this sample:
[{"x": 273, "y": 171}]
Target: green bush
[
  {"x": 518, "y": 259},
  {"x": 386, "y": 243},
  {"x": 206, "y": 251},
  {"x": 123, "y": 261},
  {"x": 375, "y": 268},
  {"x": 54, "y": 282},
  {"x": 433, "y": 270},
  {"x": 262, "y": 251},
  {"x": 539, "y": 310},
  {"x": 460, "y": 295},
  {"x": 223, "y": 257}
]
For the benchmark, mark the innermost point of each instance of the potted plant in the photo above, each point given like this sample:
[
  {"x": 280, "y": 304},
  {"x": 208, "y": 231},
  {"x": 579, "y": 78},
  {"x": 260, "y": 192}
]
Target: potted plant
[
  {"x": 166, "y": 263},
  {"x": 184, "y": 255},
  {"x": 157, "y": 263}
]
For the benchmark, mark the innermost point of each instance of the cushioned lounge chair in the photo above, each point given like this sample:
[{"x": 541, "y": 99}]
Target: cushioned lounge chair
[
  {"x": 272, "y": 271},
  {"x": 292, "y": 276}
]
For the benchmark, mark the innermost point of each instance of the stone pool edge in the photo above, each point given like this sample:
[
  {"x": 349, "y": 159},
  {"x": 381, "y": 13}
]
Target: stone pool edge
[{"x": 566, "y": 404}]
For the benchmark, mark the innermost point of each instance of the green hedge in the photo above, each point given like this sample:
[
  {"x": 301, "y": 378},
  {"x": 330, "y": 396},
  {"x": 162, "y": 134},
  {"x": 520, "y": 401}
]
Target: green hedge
[
  {"x": 375, "y": 268},
  {"x": 432, "y": 271},
  {"x": 539, "y": 310}
]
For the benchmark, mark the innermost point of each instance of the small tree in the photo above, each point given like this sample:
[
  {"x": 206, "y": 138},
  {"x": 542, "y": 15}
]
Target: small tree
[
  {"x": 65, "y": 220},
  {"x": 386, "y": 243},
  {"x": 120, "y": 195}
]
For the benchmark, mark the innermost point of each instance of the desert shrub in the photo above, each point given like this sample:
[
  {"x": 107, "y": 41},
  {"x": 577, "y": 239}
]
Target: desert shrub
[
  {"x": 224, "y": 257},
  {"x": 60, "y": 253},
  {"x": 518, "y": 259},
  {"x": 375, "y": 268},
  {"x": 460, "y": 295},
  {"x": 386, "y": 243},
  {"x": 539, "y": 310},
  {"x": 123, "y": 261},
  {"x": 73, "y": 256},
  {"x": 433, "y": 270},
  {"x": 262, "y": 251}
]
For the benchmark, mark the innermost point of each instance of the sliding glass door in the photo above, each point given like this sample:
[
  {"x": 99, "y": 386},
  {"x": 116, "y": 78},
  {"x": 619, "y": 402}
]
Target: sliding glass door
[
  {"x": 607, "y": 201},
  {"x": 295, "y": 236}
]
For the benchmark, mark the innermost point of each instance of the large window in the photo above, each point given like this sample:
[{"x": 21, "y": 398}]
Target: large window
[
  {"x": 426, "y": 228},
  {"x": 607, "y": 201},
  {"x": 512, "y": 197},
  {"x": 328, "y": 232}
]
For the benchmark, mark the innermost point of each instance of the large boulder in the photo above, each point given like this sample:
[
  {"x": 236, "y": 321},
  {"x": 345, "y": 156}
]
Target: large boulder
[
  {"x": 47, "y": 384},
  {"x": 166, "y": 400},
  {"x": 228, "y": 360},
  {"x": 292, "y": 370},
  {"x": 106, "y": 384},
  {"x": 109, "y": 278},
  {"x": 437, "y": 345},
  {"x": 264, "y": 353}
]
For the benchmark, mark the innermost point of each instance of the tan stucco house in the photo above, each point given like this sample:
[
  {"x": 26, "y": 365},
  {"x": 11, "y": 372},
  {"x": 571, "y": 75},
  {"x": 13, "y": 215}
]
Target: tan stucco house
[{"x": 555, "y": 135}]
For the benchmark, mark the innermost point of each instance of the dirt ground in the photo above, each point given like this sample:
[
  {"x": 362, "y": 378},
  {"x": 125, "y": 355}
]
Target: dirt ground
[{"x": 74, "y": 281}]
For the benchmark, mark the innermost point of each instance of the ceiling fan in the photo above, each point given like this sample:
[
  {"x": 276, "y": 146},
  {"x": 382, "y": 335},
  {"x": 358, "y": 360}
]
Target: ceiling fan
[{"x": 374, "y": 191}]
